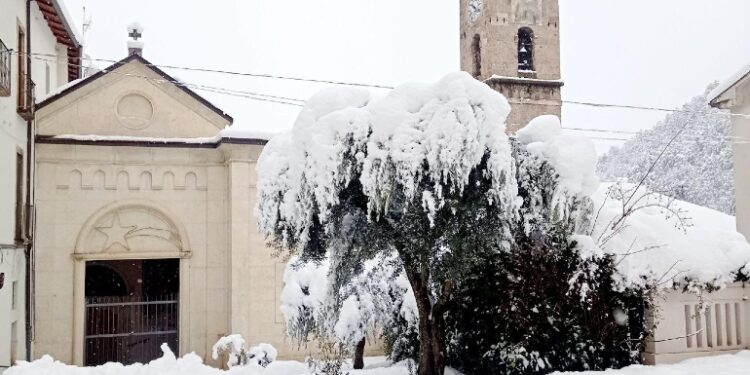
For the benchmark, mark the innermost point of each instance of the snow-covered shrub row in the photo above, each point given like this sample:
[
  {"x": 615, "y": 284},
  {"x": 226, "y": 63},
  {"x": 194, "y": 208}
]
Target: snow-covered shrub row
[
  {"x": 239, "y": 355},
  {"x": 697, "y": 167}
]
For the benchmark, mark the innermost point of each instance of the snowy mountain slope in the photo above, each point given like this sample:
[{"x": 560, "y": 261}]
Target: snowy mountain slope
[{"x": 696, "y": 168}]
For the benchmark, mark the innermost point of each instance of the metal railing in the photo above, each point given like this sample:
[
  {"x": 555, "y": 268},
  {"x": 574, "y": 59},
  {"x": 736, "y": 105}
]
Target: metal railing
[
  {"x": 129, "y": 329},
  {"x": 26, "y": 99},
  {"x": 4, "y": 70}
]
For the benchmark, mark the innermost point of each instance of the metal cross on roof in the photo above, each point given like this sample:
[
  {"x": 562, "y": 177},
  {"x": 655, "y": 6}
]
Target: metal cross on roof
[{"x": 134, "y": 34}]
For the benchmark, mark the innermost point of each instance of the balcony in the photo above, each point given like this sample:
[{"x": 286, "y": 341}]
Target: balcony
[
  {"x": 26, "y": 99},
  {"x": 4, "y": 70}
]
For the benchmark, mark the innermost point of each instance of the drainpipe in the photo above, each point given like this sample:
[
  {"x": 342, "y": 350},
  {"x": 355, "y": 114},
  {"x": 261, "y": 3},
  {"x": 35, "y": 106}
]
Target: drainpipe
[{"x": 29, "y": 153}]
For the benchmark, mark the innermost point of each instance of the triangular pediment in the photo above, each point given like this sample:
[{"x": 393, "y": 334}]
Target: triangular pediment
[{"x": 131, "y": 99}]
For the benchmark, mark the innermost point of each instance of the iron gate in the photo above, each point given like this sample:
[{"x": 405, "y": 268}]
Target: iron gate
[{"x": 129, "y": 329}]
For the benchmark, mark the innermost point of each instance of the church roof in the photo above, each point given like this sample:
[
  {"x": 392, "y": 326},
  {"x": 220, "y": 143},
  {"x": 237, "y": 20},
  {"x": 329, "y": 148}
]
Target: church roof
[
  {"x": 728, "y": 84},
  {"x": 75, "y": 85}
]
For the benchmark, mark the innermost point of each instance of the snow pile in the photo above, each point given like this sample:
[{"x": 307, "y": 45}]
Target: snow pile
[
  {"x": 656, "y": 247},
  {"x": 135, "y": 44},
  {"x": 573, "y": 156},
  {"x": 736, "y": 364},
  {"x": 449, "y": 126}
]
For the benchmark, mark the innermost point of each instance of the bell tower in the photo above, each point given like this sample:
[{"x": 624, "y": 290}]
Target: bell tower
[{"x": 514, "y": 47}]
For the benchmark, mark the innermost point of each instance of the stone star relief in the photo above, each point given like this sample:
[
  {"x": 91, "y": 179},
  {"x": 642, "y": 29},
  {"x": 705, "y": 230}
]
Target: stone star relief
[{"x": 116, "y": 233}]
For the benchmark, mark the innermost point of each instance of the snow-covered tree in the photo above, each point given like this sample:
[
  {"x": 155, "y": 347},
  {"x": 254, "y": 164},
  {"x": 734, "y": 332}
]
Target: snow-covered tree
[
  {"x": 697, "y": 166},
  {"x": 426, "y": 173}
]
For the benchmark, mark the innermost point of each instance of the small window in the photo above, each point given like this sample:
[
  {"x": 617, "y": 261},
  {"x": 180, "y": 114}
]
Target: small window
[
  {"x": 19, "y": 198},
  {"x": 476, "y": 56},
  {"x": 21, "y": 48},
  {"x": 14, "y": 295},
  {"x": 13, "y": 343},
  {"x": 525, "y": 50},
  {"x": 46, "y": 78}
]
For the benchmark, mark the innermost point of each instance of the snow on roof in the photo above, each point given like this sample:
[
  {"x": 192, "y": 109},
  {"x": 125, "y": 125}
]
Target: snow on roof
[
  {"x": 135, "y": 44},
  {"x": 729, "y": 82},
  {"x": 58, "y": 90},
  {"x": 237, "y": 133},
  {"x": 523, "y": 79},
  {"x": 126, "y": 138},
  {"x": 653, "y": 250},
  {"x": 224, "y": 134}
]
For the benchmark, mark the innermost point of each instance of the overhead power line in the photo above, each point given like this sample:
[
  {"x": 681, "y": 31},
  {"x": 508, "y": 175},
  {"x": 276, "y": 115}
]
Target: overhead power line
[
  {"x": 220, "y": 90},
  {"x": 300, "y": 102},
  {"x": 600, "y": 130},
  {"x": 243, "y": 74}
]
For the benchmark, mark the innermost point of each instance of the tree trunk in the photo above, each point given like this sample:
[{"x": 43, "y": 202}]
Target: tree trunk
[
  {"x": 431, "y": 341},
  {"x": 359, "y": 354}
]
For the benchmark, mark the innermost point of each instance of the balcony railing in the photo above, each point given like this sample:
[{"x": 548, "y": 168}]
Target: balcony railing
[
  {"x": 4, "y": 70},
  {"x": 26, "y": 99}
]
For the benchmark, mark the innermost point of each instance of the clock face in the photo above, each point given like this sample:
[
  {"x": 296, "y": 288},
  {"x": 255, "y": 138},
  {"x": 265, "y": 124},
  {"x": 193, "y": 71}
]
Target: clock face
[{"x": 474, "y": 9}]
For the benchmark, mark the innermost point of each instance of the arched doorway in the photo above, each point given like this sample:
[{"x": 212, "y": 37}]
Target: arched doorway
[
  {"x": 132, "y": 307},
  {"x": 131, "y": 278}
]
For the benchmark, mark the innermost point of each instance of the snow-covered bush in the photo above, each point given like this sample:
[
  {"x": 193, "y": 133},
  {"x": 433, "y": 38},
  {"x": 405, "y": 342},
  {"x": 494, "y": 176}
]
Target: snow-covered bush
[
  {"x": 239, "y": 355},
  {"x": 549, "y": 303}
]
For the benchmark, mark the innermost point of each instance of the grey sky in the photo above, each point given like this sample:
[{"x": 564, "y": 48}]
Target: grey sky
[{"x": 655, "y": 53}]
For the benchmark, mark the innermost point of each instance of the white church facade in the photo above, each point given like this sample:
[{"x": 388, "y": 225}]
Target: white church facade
[{"x": 145, "y": 226}]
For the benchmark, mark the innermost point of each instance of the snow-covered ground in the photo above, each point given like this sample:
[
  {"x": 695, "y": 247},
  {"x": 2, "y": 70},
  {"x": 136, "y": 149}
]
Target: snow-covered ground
[
  {"x": 719, "y": 365},
  {"x": 191, "y": 364}
]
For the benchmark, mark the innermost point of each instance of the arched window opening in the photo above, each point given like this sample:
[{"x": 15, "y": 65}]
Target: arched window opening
[
  {"x": 525, "y": 50},
  {"x": 476, "y": 54}
]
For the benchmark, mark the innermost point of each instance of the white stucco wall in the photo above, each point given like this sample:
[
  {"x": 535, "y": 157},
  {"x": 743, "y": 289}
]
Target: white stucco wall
[{"x": 13, "y": 139}]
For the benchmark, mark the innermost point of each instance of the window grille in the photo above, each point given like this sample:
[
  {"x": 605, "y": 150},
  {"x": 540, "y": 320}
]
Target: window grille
[{"x": 4, "y": 70}]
